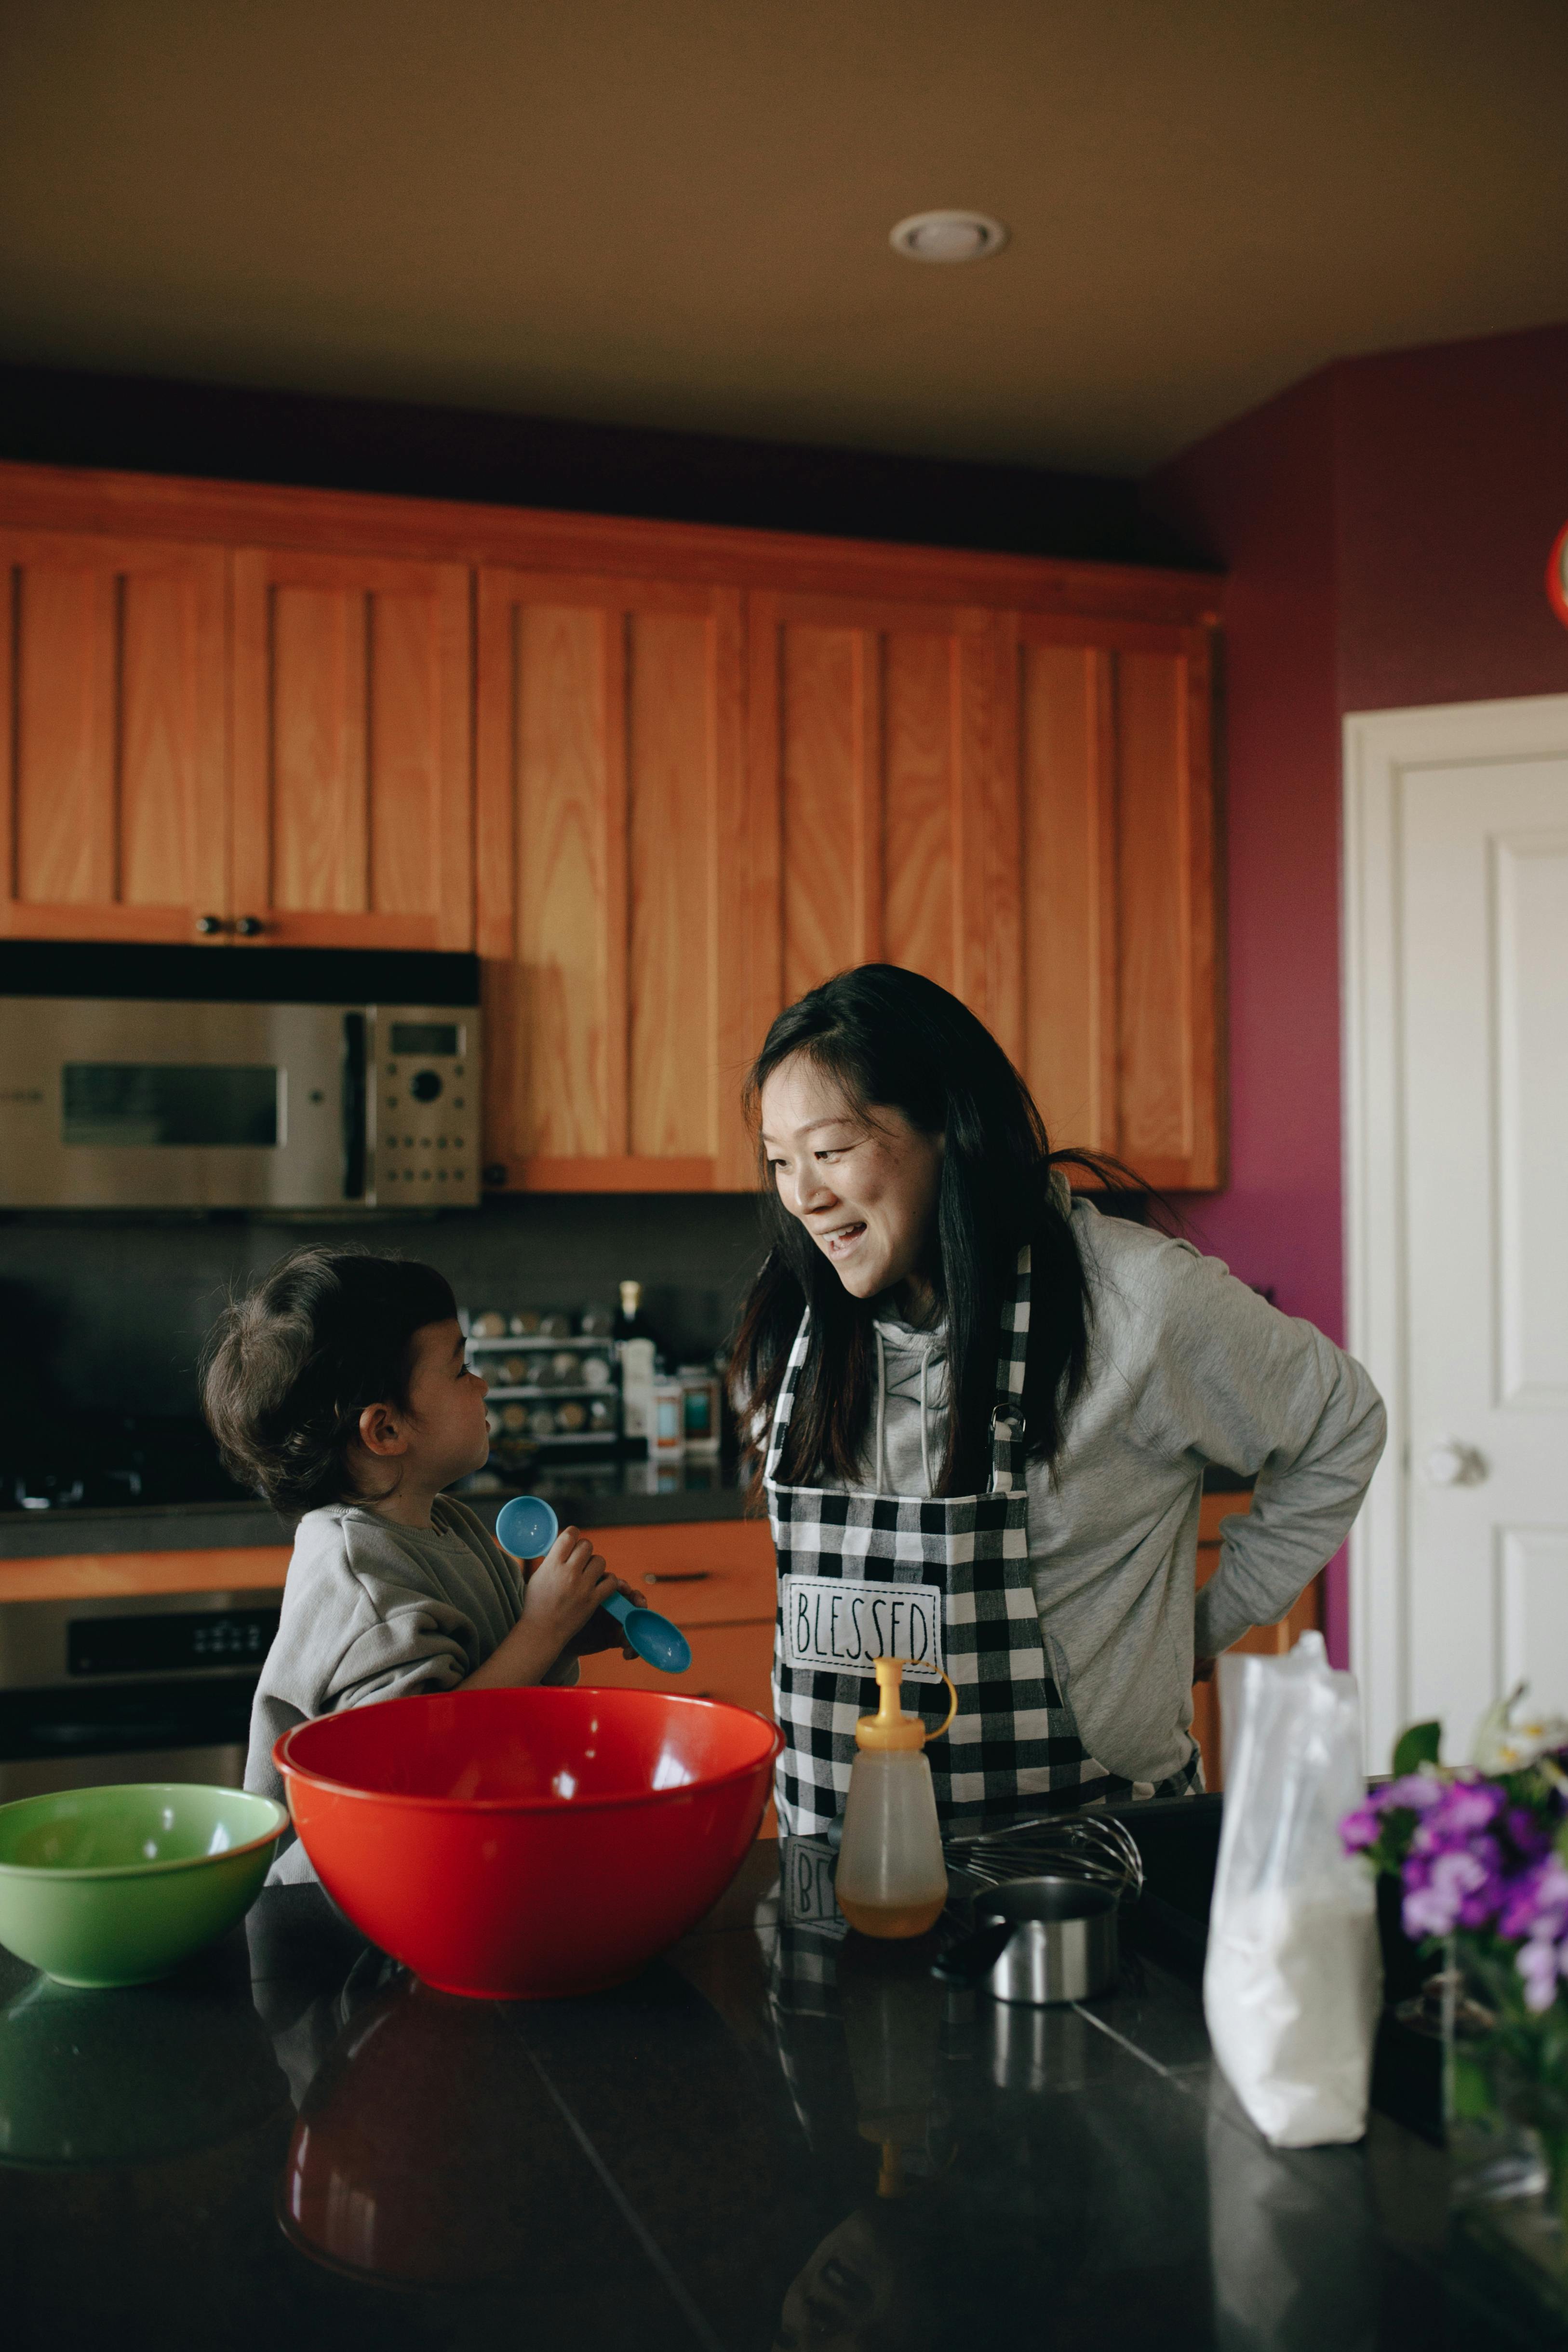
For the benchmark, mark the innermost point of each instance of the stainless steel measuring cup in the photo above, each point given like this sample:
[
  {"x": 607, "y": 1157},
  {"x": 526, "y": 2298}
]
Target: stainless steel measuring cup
[{"x": 1038, "y": 1940}]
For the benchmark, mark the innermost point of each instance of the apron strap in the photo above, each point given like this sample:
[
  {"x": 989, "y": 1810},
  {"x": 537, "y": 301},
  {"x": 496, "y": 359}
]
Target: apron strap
[
  {"x": 1006, "y": 1415},
  {"x": 785, "y": 1403}
]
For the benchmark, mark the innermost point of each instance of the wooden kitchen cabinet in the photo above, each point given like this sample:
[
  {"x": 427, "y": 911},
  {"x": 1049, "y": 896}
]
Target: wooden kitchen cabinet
[
  {"x": 352, "y": 811},
  {"x": 1021, "y": 806},
  {"x": 664, "y": 778},
  {"x": 866, "y": 783},
  {"x": 113, "y": 813},
  {"x": 610, "y": 815},
  {"x": 1262, "y": 1641},
  {"x": 304, "y": 770},
  {"x": 718, "y": 1579},
  {"x": 1115, "y": 1020}
]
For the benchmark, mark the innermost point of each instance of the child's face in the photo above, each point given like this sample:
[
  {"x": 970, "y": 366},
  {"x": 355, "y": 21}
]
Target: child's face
[{"x": 444, "y": 1425}]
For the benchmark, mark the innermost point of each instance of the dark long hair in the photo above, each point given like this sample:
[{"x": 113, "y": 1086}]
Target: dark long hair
[{"x": 889, "y": 1037}]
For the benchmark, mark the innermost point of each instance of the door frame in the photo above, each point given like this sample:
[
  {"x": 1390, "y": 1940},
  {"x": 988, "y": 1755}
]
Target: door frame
[{"x": 1378, "y": 747}]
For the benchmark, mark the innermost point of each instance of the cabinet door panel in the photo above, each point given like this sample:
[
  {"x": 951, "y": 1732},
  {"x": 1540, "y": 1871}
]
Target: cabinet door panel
[
  {"x": 611, "y": 832},
  {"x": 919, "y": 925},
  {"x": 111, "y": 736},
  {"x": 698, "y": 1573},
  {"x": 728, "y": 1662},
  {"x": 565, "y": 819},
  {"x": 1305, "y": 1616},
  {"x": 317, "y": 820},
  {"x": 869, "y": 791},
  {"x": 1119, "y": 953},
  {"x": 1067, "y": 779},
  {"x": 352, "y": 810},
  {"x": 829, "y": 804},
  {"x": 1165, "y": 1120},
  {"x": 672, "y": 909}
]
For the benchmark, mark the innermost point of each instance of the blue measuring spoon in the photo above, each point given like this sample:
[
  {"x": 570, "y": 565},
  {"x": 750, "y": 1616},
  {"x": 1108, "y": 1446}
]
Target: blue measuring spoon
[
  {"x": 527, "y": 1525},
  {"x": 651, "y": 1636}
]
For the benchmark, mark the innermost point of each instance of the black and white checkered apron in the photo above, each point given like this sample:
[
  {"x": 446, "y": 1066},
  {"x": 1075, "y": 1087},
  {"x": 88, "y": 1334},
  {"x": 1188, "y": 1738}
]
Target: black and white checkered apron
[{"x": 1014, "y": 1739}]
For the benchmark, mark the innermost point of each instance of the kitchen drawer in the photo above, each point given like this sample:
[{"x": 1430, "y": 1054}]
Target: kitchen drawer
[
  {"x": 701, "y": 1572},
  {"x": 728, "y": 1662},
  {"x": 1212, "y": 1508},
  {"x": 1264, "y": 1640}
]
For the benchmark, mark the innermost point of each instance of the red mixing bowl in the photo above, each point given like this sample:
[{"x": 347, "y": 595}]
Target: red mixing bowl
[{"x": 528, "y": 1844}]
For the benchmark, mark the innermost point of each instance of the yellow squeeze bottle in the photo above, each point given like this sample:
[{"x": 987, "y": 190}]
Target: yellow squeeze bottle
[{"x": 891, "y": 1879}]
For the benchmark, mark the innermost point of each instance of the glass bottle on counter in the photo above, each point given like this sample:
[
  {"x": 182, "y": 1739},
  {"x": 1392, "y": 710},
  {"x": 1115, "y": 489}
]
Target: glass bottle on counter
[{"x": 631, "y": 1323}]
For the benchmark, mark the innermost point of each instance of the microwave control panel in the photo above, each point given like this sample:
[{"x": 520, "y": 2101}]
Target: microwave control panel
[{"x": 424, "y": 1139}]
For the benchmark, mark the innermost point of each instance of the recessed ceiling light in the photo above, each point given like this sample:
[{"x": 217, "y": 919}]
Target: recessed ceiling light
[{"x": 947, "y": 236}]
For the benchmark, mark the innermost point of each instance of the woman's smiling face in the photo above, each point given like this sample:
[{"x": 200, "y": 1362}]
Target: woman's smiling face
[{"x": 863, "y": 1185}]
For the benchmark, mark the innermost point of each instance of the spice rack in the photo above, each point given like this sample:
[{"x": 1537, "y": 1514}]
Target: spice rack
[{"x": 484, "y": 1353}]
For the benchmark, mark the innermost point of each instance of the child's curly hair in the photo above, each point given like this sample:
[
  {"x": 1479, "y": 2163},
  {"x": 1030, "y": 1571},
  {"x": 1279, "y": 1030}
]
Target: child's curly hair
[{"x": 287, "y": 1369}]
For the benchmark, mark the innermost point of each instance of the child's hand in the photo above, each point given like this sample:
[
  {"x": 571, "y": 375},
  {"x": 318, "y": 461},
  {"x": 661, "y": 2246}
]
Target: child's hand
[
  {"x": 561, "y": 1601},
  {"x": 565, "y": 1590},
  {"x": 602, "y": 1632}
]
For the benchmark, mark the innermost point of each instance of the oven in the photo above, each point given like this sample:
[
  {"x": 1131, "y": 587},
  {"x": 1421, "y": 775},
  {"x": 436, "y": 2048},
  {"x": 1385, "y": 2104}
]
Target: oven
[
  {"x": 153, "y": 1686},
  {"x": 226, "y": 1077}
]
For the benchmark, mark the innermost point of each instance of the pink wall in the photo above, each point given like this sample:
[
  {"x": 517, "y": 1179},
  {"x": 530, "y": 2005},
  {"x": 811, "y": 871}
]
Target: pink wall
[
  {"x": 1385, "y": 527},
  {"x": 1451, "y": 483}
]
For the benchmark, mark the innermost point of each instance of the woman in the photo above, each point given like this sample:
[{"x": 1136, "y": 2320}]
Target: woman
[{"x": 984, "y": 1411}]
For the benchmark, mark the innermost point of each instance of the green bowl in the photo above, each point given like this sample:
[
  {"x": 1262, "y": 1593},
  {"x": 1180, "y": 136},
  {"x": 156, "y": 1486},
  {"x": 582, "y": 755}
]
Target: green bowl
[{"x": 117, "y": 1885}]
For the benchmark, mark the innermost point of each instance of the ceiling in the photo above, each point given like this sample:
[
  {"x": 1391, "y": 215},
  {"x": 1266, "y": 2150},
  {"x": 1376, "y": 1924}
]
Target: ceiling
[{"x": 674, "y": 212}]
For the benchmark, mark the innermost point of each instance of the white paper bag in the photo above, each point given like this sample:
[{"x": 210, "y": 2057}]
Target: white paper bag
[{"x": 1293, "y": 1985}]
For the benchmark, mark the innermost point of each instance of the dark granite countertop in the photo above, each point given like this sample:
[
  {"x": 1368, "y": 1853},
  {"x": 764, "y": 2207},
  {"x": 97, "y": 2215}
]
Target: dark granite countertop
[
  {"x": 778, "y": 2136},
  {"x": 607, "y": 1495},
  {"x": 610, "y": 1494}
]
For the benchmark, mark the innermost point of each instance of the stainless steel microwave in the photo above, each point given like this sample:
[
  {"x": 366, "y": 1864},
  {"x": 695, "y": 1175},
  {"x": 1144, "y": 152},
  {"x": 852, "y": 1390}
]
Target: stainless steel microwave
[{"x": 230, "y": 1077}]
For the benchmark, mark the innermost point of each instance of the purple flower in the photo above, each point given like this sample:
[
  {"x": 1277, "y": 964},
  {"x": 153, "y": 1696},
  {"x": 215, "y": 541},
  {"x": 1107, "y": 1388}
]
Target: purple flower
[
  {"x": 1463, "y": 1811},
  {"x": 1531, "y": 1835},
  {"x": 1439, "y": 1893},
  {"x": 1536, "y": 1902},
  {"x": 1415, "y": 1793},
  {"x": 1361, "y": 1829},
  {"x": 1541, "y": 1963}
]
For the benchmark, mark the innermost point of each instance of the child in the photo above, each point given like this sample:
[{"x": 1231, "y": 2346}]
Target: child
[{"x": 339, "y": 1389}]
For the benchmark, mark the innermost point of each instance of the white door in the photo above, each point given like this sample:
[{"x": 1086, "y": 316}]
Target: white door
[{"x": 1456, "y": 849}]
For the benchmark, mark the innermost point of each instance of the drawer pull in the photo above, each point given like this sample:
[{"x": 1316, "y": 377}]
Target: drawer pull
[{"x": 678, "y": 1576}]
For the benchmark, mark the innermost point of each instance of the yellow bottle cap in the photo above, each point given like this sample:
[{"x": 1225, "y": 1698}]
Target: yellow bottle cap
[{"x": 889, "y": 1727}]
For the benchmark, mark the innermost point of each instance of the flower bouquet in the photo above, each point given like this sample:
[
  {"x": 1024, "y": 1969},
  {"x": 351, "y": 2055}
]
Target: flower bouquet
[{"x": 1480, "y": 1853}]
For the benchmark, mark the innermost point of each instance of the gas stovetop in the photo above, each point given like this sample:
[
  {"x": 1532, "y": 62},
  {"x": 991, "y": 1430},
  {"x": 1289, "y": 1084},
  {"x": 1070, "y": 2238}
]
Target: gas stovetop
[{"x": 95, "y": 1461}]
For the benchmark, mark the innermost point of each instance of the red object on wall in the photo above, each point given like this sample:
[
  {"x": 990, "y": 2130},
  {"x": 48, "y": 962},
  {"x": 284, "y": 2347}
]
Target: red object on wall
[
  {"x": 1382, "y": 525},
  {"x": 1557, "y": 577}
]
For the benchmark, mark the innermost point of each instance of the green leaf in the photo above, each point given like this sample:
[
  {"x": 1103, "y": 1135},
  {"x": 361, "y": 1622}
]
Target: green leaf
[
  {"x": 1471, "y": 2090},
  {"x": 1418, "y": 1744}
]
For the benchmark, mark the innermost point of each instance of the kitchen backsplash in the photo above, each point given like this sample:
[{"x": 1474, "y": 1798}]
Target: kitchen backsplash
[{"x": 107, "y": 1315}]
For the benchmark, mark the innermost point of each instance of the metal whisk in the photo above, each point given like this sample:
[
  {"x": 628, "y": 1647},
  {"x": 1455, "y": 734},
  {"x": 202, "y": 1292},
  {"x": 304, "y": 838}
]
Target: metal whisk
[{"x": 1080, "y": 1845}]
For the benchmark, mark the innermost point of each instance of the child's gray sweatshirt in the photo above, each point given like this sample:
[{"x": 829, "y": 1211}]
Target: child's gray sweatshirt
[
  {"x": 1187, "y": 1367},
  {"x": 373, "y": 1610}
]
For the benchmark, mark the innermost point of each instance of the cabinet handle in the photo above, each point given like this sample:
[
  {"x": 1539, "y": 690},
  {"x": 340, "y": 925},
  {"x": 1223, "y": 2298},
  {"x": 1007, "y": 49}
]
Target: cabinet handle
[
  {"x": 496, "y": 1172},
  {"x": 678, "y": 1576},
  {"x": 207, "y": 924},
  {"x": 250, "y": 926}
]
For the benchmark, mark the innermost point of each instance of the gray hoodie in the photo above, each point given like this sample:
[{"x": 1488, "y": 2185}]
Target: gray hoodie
[
  {"x": 1187, "y": 1367},
  {"x": 373, "y": 1609}
]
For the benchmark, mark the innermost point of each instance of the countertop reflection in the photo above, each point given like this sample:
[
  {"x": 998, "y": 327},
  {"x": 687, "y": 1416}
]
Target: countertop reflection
[{"x": 779, "y": 2135}]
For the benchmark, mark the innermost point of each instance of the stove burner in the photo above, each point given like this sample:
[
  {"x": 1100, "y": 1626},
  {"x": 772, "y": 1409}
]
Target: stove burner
[{"x": 97, "y": 1462}]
